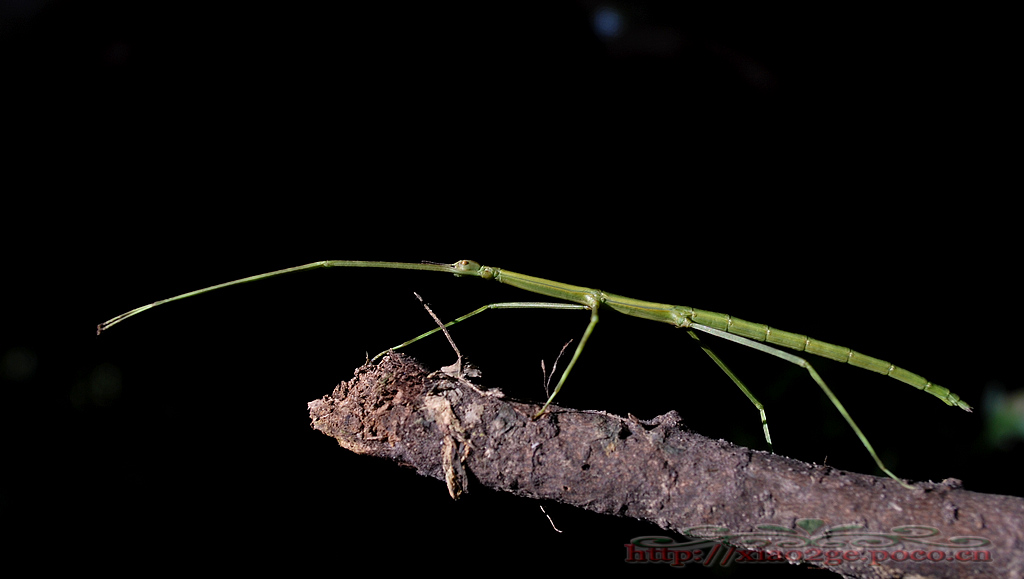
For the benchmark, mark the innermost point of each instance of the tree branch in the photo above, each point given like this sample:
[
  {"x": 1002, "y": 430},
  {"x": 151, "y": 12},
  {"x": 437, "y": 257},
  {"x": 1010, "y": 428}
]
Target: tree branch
[{"x": 717, "y": 494}]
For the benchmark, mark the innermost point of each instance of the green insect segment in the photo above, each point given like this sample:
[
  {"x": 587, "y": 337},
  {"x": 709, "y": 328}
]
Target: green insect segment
[{"x": 753, "y": 335}]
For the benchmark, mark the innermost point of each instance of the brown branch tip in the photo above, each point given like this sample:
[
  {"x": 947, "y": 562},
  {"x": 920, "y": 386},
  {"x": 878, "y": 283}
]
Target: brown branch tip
[{"x": 710, "y": 492}]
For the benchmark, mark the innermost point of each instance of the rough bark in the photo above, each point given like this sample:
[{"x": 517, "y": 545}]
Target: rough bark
[{"x": 721, "y": 496}]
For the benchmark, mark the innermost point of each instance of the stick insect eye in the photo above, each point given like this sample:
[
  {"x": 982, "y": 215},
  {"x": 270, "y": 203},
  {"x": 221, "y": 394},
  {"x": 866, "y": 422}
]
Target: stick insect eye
[{"x": 466, "y": 266}]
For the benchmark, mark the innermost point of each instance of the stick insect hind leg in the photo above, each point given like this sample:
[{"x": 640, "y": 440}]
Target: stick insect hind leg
[{"x": 814, "y": 375}]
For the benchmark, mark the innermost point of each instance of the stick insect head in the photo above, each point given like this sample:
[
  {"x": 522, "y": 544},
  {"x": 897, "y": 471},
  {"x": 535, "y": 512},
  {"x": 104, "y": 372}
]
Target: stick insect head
[{"x": 470, "y": 267}]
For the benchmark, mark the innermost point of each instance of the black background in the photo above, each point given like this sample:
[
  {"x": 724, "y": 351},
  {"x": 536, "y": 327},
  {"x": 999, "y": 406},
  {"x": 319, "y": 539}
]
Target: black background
[{"x": 840, "y": 173}]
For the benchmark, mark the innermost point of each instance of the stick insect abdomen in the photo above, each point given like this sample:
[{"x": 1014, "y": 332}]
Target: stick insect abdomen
[{"x": 802, "y": 343}]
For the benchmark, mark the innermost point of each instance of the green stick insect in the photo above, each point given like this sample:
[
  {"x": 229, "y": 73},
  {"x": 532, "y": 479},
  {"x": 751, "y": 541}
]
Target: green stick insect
[{"x": 750, "y": 334}]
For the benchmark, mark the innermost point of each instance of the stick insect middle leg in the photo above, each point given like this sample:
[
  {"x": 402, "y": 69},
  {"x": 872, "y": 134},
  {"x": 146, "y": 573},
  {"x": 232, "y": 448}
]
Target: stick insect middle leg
[{"x": 750, "y": 395}]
